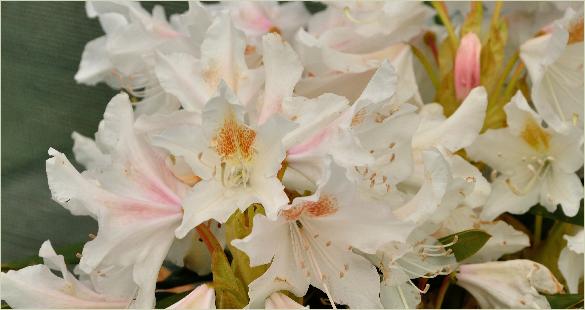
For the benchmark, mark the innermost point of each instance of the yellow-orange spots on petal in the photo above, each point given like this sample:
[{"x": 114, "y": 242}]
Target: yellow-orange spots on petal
[
  {"x": 535, "y": 136},
  {"x": 325, "y": 206},
  {"x": 250, "y": 49},
  {"x": 189, "y": 179},
  {"x": 576, "y": 32},
  {"x": 292, "y": 213},
  {"x": 235, "y": 140},
  {"x": 274, "y": 29},
  {"x": 211, "y": 75},
  {"x": 358, "y": 118}
]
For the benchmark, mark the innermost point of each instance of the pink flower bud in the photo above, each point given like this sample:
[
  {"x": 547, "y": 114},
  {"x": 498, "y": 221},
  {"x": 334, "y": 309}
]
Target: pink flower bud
[{"x": 467, "y": 65}]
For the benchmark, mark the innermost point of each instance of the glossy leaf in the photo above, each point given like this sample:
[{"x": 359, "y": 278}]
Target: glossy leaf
[
  {"x": 565, "y": 301},
  {"x": 468, "y": 242}
]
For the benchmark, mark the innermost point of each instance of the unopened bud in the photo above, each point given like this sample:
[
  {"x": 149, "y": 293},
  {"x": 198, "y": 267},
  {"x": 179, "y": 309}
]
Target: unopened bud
[{"x": 467, "y": 66}]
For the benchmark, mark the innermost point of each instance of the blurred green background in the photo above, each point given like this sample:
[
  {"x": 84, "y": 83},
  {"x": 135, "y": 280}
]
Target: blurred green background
[{"x": 42, "y": 43}]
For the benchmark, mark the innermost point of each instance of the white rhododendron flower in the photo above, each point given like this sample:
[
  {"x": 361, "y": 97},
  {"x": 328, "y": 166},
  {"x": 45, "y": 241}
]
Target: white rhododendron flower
[
  {"x": 289, "y": 155},
  {"x": 555, "y": 64},
  {"x": 571, "y": 261},
  {"x": 510, "y": 284},
  {"x": 134, "y": 197},
  {"x": 237, "y": 163},
  {"x": 38, "y": 287},
  {"x": 194, "y": 80},
  {"x": 313, "y": 241},
  {"x": 203, "y": 297},
  {"x": 535, "y": 164}
]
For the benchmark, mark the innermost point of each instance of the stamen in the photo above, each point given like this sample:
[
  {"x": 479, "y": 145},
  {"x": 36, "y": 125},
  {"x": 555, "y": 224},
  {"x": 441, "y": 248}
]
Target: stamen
[
  {"x": 442, "y": 246},
  {"x": 536, "y": 175},
  {"x": 347, "y": 13},
  {"x": 313, "y": 262}
]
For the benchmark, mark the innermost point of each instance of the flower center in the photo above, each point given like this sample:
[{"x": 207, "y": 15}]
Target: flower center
[
  {"x": 533, "y": 134},
  {"x": 538, "y": 168},
  {"x": 234, "y": 143}
]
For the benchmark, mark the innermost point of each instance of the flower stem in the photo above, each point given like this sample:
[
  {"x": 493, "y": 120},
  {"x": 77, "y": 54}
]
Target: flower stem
[
  {"x": 537, "y": 229},
  {"x": 489, "y": 120},
  {"x": 444, "y": 16},
  {"x": 513, "y": 80},
  {"x": 442, "y": 291},
  {"x": 427, "y": 65}
]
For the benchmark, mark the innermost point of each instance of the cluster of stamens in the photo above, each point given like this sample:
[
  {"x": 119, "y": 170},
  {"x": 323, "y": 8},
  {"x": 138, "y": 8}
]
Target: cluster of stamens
[
  {"x": 234, "y": 143},
  {"x": 538, "y": 168}
]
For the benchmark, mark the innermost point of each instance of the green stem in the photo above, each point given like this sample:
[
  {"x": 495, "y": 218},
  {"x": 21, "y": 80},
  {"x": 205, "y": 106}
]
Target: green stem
[
  {"x": 509, "y": 66},
  {"x": 427, "y": 65},
  {"x": 489, "y": 121},
  {"x": 442, "y": 292},
  {"x": 513, "y": 80},
  {"x": 537, "y": 229},
  {"x": 444, "y": 16}
]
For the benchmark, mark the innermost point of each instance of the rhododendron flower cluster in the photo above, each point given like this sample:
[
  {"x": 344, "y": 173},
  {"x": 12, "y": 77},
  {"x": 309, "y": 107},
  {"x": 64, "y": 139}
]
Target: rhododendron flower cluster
[{"x": 361, "y": 154}]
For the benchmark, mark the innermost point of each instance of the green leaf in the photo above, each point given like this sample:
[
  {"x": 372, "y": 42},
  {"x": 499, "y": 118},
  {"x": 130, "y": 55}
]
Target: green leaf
[
  {"x": 230, "y": 292},
  {"x": 170, "y": 300},
  {"x": 559, "y": 215},
  {"x": 468, "y": 242},
  {"x": 238, "y": 226},
  {"x": 492, "y": 54},
  {"x": 565, "y": 301},
  {"x": 69, "y": 253}
]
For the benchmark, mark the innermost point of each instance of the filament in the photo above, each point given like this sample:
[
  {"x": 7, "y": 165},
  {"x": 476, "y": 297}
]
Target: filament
[{"x": 347, "y": 13}]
